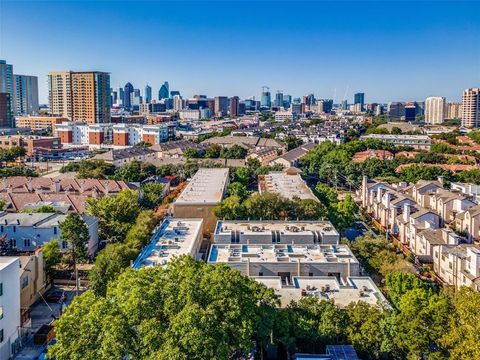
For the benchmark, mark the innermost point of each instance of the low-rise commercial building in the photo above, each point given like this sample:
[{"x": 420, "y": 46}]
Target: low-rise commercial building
[
  {"x": 32, "y": 144},
  {"x": 275, "y": 232},
  {"x": 288, "y": 184},
  {"x": 173, "y": 238},
  {"x": 39, "y": 123},
  {"x": 204, "y": 191},
  {"x": 287, "y": 261},
  {"x": 328, "y": 288}
]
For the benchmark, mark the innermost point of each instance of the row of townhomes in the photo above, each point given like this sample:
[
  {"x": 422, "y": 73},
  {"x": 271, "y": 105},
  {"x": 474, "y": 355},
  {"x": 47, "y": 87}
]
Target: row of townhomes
[
  {"x": 295, "y": 258},
  {"x": 440, "y": 227}
]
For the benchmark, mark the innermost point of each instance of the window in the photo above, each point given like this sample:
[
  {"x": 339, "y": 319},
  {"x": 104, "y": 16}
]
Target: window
[
  {"x": 13, "y": 243},
  {"x": 260, "y": 273},
  {"x": 14, "y": 228},
  {"x": 1, "y": 289},
  {"x": 24, "y": 282},
  {"x": 1, "y": 228},
  {"x": 310, "y": 274},
  {"x": 1, "y": 336},
  {"x": 64, "y": 244},
  {"x": 1, "y": 312},
  {"x": 55, "y": 230},
  {"x": 26, "y": 242}
]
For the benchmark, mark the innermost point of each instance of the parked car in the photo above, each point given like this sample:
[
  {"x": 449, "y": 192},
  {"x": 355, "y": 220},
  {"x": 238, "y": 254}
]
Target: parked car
[{"x": 55, "y": 296}]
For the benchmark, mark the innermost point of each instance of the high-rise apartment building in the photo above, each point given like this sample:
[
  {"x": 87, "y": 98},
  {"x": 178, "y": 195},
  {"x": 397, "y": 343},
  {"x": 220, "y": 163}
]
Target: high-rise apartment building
[
  {"x": 6, "y": 87},
  {"x": 221, "y": 105},
  {"x": 435, "y": 110},
  {"x": 80, "y": 96},
  {"x": 148, "y": 94},
  {"x": 454, "y": 110},
  {"x": 6, "y": 112},
  {"x": 234, "y": 106},
  {"x": 471, "y": 108},
  {"x": 6, "y": 78},
  {"x": 178, "y": 103},
  {"x": 25, "y": 95}
]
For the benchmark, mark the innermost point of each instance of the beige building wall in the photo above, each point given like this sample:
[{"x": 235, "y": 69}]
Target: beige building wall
[
  {"x": 197, "y": 211},
  {"x": 454, "y": 111},
  {"x": 471, "y": 108},
  {"x": 60, "y": 93},
  {"x": 37, "y": 123},
  {"x": 32, "y": 279},
  {"x": 83, "y": 90}
]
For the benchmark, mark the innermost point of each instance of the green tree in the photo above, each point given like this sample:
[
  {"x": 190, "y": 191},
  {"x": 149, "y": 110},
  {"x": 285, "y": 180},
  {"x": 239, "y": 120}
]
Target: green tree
[
  {"x": 109, "y": 264},
  {"x": 213, "y": 151},
  {"x": 116, "y": 214},
  {"x": 52, "y": 256},
  {"x": 230, "y": 208},
  {"x": 134, "y": 171},
  {"x": 292, "y": 142},
  {"x": 74, "y": 231},
  {"x": 364, "y": 329},
  {"x": 237, "y": 189},
  {"x": 326, "y": 194},
  {"x": 188, "y": 310},
  {"x": 151, "y": 194},
  {"x": 191, "y": 153},
  {"x": 342, "y": 213},
  {"x": 233, "y": 152},
  {"x": 463, "y": 334}
]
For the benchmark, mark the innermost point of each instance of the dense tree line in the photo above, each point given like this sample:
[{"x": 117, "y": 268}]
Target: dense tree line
[
  {"x": 333, "y": 164},
  {"x": 191, "y": 310}
]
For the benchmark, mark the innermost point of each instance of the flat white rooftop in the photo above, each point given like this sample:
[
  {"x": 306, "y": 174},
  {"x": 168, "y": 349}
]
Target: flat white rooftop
[
  {"x": 358, "y": 288},
  {"x": 238, "y": 253},
  {"x": 5, "y": 261},
  {"x": 267, "y": 228},
  {"x": 287, "y": 185},
  {"x": 206, "y": 187},
  {"x": 174, "y": 237}
]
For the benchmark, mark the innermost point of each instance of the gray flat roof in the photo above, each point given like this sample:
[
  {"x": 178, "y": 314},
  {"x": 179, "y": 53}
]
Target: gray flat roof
[{"x": 206, "y": 187}]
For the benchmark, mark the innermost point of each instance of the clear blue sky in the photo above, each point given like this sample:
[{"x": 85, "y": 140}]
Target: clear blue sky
[{"x": 390, "y": 50}]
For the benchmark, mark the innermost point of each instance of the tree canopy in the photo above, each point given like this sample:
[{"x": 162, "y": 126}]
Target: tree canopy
[{"x": 189, "y": 310}]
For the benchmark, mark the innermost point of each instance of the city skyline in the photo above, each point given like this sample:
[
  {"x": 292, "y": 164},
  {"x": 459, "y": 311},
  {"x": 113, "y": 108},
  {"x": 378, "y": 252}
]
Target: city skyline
[{"x": 239, "y": 54}]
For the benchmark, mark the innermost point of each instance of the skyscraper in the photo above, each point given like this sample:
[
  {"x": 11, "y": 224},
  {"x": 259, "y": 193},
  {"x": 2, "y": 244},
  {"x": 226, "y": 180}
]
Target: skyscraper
[
  {"x": 266, "y": 99},
  {"x": 148, "y": 94},
  {"x": 410, "y": 112},
  {"x": 25, "y": 95},
  {"x": 287, "y": 100},
  {"x": 6, "y": 82},
  {"x": 234, "y": 106},
  {"x": 6, "y": 78},
  {"x": 80, "y": 96},
  {"x": 454, "y": 110},
  {"x": 396, "y": 110},
  {"x": 279, "y": 98},
  {"x": 471, "y": 108},
  {"x": 127, "y": 96},
  {"x": 435, "y": 110},
  {"x": 6, "y": 113},
  {"x": 359, "y": 98},
  {"x": 164, "y": 92},
  {"x": 121, "y": 98},
  {"x": 173, "y": 93},
  {"x": 344, "y": 105},
  {"x": 221, "y": 105}
]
